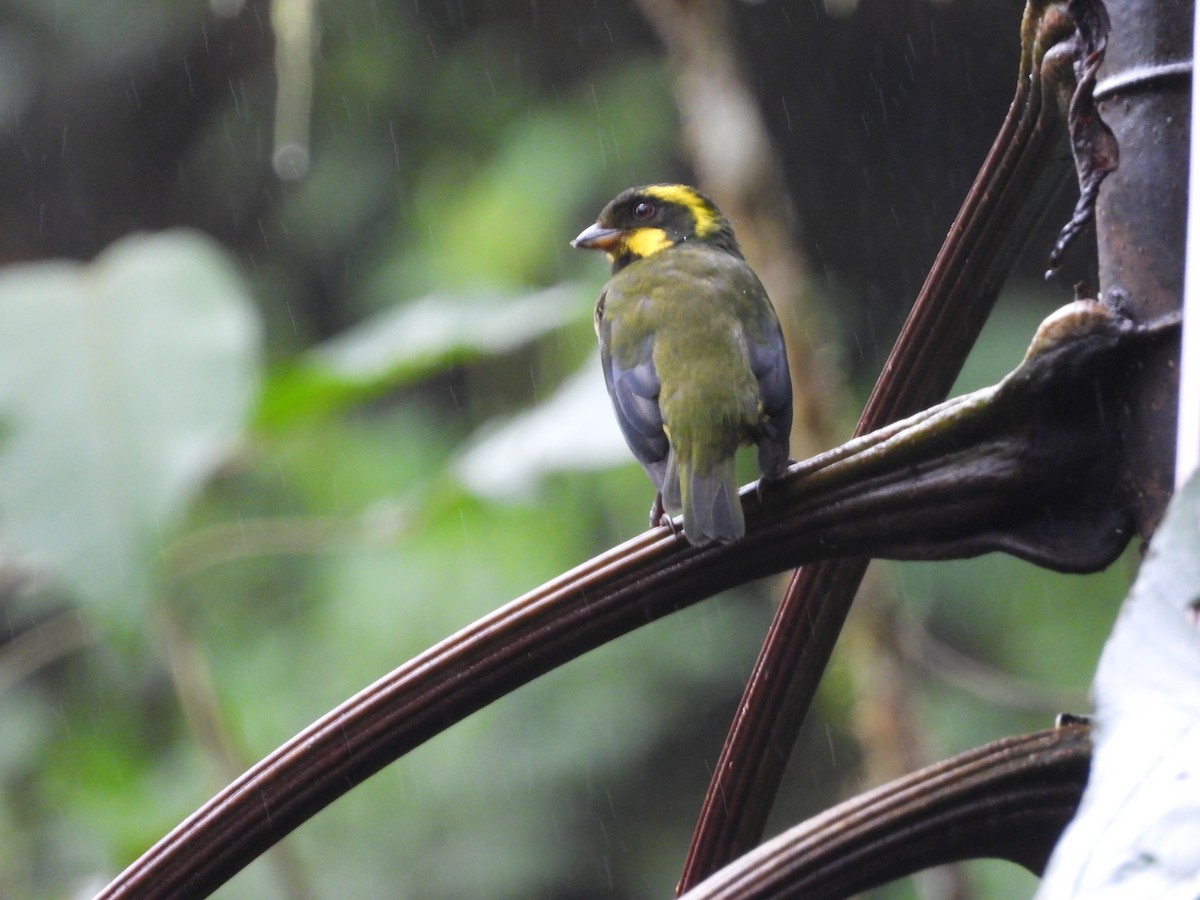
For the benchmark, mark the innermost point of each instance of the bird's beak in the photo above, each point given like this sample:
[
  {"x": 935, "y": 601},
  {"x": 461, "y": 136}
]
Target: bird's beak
[{"x": 597, "y": 237}]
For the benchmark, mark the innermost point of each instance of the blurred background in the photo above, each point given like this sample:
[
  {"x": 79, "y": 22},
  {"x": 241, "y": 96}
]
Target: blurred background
[{"x": 297, "y": 377}]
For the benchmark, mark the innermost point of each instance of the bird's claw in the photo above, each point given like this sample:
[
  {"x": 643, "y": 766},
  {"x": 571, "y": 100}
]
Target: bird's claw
[
  {"x": 659, "y": 517},
  {"x": 760, "y": 489}
]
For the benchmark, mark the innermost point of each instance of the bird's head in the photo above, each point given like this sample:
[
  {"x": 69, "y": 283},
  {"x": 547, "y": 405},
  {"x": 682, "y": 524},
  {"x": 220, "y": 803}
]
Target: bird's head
[{"x": 642, "y": 221}]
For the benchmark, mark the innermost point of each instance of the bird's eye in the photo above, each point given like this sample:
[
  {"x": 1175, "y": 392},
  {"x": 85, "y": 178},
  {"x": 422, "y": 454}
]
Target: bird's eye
[{"x": 643, "y": 210}]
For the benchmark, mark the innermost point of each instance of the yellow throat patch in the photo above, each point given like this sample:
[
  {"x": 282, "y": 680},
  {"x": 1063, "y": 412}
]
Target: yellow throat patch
[{"x": 643, "y": 242}]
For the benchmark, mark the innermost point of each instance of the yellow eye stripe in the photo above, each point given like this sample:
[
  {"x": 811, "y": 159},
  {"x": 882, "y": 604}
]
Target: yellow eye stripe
[{"x": 705, "y": 215}]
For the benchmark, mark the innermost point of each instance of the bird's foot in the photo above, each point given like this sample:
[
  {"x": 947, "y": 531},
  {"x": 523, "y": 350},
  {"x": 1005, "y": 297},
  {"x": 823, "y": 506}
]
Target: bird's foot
[
  {"x": 760, "y": 489},
  {"x": 659, "y": 517}
]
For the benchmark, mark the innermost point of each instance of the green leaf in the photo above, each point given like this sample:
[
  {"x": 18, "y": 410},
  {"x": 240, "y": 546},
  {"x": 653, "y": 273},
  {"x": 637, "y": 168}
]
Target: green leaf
[
  {"x": 122, "y": 384},
  {"x": 573, "y": 430},
  {"x": 412, "y": 341}
]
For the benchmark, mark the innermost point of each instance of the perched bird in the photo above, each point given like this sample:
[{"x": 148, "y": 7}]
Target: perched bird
[{"x": 693, "y": 354}]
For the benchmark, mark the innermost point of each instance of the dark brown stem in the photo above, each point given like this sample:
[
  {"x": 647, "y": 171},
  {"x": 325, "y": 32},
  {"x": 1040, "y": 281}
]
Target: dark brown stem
[
  {"x": 1140, "y": 227},
  {"x": 1009, "y": 800},
  {"x": 1024, "y": 167},
  {"x": 975, "y": 474}
]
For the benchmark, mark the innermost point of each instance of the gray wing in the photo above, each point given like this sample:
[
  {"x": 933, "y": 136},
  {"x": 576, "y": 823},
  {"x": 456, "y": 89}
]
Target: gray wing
[
  {"x": 634, "y": 392},
  {"x": 768, "y": 362}
]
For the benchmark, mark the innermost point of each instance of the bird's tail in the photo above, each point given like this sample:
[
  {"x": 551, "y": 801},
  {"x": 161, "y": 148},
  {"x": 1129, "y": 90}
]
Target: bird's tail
[{"x": 708, "y": 499}]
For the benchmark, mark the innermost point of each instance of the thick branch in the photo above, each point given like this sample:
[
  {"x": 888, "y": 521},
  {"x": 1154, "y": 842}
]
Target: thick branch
[
  {"x": 1141, "y": 224},
  {"x": 935, "y": 485},
  {"x": 1024, "y": 167},
  {"x": 1002, "y": 800}
]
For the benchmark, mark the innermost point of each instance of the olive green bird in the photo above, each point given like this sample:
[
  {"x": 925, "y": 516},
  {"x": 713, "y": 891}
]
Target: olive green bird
[{"x": 693, "y": 354}]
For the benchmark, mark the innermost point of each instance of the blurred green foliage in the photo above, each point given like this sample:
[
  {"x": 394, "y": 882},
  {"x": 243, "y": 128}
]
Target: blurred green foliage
[
  {"x": 120, "y": 395},
  {"x": 412, "y": 293}
]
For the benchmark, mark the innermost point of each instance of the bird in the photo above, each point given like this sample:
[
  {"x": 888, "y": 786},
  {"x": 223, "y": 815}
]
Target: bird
[{"x": 693, "y": 355}]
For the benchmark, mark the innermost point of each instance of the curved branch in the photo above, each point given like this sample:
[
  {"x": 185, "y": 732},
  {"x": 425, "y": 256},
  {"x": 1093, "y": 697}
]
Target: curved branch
[
  {"x": 932, "y": 486},
  {"x": 1024, "y": 166},
  {"x": 1009, "y": 799}
]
